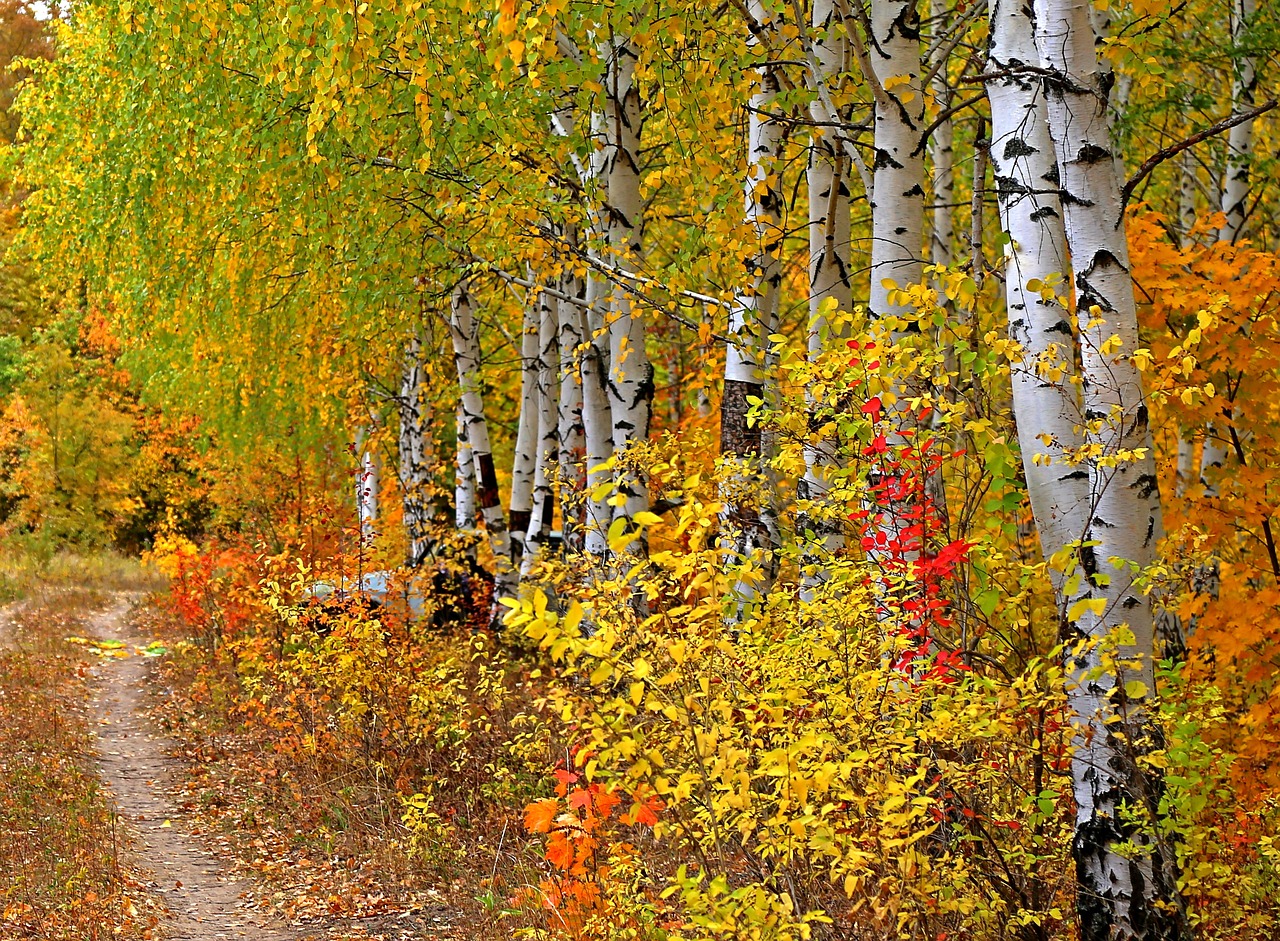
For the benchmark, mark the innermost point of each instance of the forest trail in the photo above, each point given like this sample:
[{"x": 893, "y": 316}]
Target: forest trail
[{"x": 206, "y": 900}]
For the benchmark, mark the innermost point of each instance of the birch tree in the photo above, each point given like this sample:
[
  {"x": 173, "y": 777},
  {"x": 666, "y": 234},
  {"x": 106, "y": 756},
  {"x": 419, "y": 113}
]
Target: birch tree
[
  {"x": 1121, "y": 894},
  {"x": 524, "y": 463},
  {"x": 466, "y": 352},
  {"x": 1236, "y": 189},
  {"x": 630, "y": 376},
  {"x": 752, "y": 319},
  {"x": 414, "y": 439},
  {"x": 830, "y": 244},
  {"x": 1046, "y": 405}
]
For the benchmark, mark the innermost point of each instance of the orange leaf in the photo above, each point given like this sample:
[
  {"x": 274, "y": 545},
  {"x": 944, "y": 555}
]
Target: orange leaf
[{"x": 539, "y": 815}]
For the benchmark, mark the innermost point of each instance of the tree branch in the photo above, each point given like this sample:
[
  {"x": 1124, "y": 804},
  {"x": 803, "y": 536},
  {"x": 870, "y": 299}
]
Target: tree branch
[{"x": 1160, "y": 156}]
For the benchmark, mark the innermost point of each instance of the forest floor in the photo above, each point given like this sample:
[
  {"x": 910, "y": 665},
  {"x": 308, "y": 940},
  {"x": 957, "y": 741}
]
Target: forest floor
[{"x": 175, "y": 876}]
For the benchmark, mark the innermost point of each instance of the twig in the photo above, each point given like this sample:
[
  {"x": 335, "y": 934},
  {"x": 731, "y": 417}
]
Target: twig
[{"x": 1160, "y": 156}]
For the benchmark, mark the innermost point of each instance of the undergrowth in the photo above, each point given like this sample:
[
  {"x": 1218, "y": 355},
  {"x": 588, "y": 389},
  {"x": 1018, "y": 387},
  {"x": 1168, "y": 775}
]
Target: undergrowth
[{"x": 61, "y": 847}]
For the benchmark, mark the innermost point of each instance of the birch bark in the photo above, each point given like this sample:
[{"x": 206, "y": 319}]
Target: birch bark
[
  {"x": 1236, "y": 184},
  {"x": 547, "y": 443},
  {"x": 464, "y": 502},
  {"x": 897, "y": 202},
  {"x": 829, "y": 285},
  {"x": 752, "y": 319},
  {"x": 1120, "y": 894},
  {"x": 523, "y": 467},
  {"x": 1046, "y": 406},
  {"x": 414, "y": 467},
  {"x": 366, "y": 486},
  {"x": 571, "y": 434},
  {"x": 630, "y": 374},
  {"x": 1236, "y": 187},
  {"x": 466, "y": 351}
]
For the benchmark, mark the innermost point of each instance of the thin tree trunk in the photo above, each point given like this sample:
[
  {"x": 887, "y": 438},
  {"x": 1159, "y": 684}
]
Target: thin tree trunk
[
  {"x": 414, "y": 467},
  {"x": 630, "y": 373},
  {"x": 752, "y": 319},
  {"x": 571, "y": 434},
  {"x": 897, "y": 238},
  {"x": 897, "y": 216},
  {"x": 466, "y": 351},
  {"x": 1121, "y": 894},
  {"x": 524, "y": 464},
  {"x": 1236, "y": 184},
  {"x": 547, "y": 444},
  {"x": 366, "y": 486},
  {"x": 597, "y": 416},
  {"x": 829, "y": 285},
  {"x": 1046, "y": 405},
  {"x": 464, "y": 503}
]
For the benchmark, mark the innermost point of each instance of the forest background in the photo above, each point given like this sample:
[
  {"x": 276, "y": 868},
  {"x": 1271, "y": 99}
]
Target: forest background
[{"x": 869, "y": 414}]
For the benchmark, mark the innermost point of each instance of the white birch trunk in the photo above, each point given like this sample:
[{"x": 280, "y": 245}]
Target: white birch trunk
[
  {"x": 752, "y": 319},
  {"x": 466, "y": 351},
  {"x": 366, "y": 487},
  {"x": 942, "y": 156},
  {"x": 464, "y": 501},
  {"x": 1236, "y": 188},
  {"x": 524, "y": 463},
  {"x": 1120, "y": 894},
  {"x": 586, "y": 435},
  {"x": 414, "y": 464},
  {"x": 547, "y": 444},
  {"x": 897, "y": 206},
  {"x": 597, "y": 415},
  {"x": 829, "y": 265},
  {"x": 1236, "y": 185},
  {"x": 630, "y": 373},
  {"x": 571, "y": 435},
  {"x": 897, "y": 225},
  {"x": 1045, "y": 400}
]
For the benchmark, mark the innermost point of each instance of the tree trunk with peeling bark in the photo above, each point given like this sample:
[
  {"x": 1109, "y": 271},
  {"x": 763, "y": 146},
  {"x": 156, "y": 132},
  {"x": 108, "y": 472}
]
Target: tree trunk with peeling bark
[
  {"x": 829, "y": 286},
  {"x": 524, "y": 462},
  {"x": 752, "y": 319},
  {"x": 547, "y": 442},
  {"x": 630, "y": 374},
  {"x": 414, "y": 452},
  {"x": 1046, "y": 404},
  {"x": 1120, "y": 894},
  {"x": 366, "y": 486},
  {"x": 571, "y": 435},
  {"x": 466, "y": 351}
]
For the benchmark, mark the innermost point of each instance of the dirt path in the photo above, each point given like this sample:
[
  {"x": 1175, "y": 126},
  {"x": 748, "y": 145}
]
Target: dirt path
[{"x": 207, "y": 901}]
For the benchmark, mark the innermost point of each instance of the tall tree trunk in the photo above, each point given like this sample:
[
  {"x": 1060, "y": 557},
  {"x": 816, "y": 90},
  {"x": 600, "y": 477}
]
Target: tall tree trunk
[
  {"x": 942, "y": 156},
  {"x": 547, "y": 444},
  {"x": 1236, "y": 188},
  {"x": 630, "y": 373},
  {"x": 464, "y": 502},
  {"x": 597, "y": 414},
  {"x": 1121, "y": 894},
  {"x": 414, "y": 465},
  {"x": 366, "y": 486},
  {"x": 1236, "y": 184},
  {"x": 1046, "y": 405},
  {"x": 752, "y": 319},
  {"x": 897, "y": 202},
  {"x": 897, "y": 239},
  {"x": 586, "y": 425},
  {"x": 524, "y": 464},
  {"x": 466, "y": 352},
  {"x": 829, "y": 286},
  {"x": 570, "y": 433}
]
